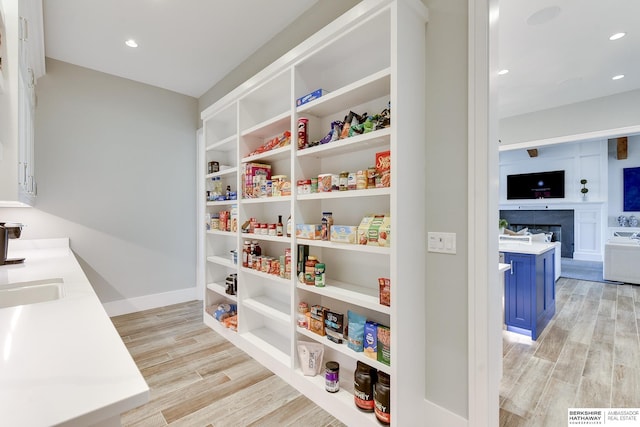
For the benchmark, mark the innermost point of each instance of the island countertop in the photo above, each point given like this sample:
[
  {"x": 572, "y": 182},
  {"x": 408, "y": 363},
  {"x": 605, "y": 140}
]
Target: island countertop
[
  {"x": 62, "y": 362},
  {"x": 533, "y": 248}
]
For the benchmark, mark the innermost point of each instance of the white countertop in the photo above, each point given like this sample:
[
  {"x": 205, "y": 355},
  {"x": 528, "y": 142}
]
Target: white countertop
[
  {"x": 534, "y": 248},
  {"x": 62, "y": 361}
]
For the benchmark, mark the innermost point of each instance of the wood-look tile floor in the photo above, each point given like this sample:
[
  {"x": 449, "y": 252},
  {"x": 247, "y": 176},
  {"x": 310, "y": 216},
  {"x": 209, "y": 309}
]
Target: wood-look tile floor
[
  {"x": 587, "y": 357},
  {"x": 198, "y": 378}
]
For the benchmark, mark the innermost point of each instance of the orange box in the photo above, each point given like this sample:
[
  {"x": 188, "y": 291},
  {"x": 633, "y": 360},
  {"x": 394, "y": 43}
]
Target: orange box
[{"x": 383, "y": 169}]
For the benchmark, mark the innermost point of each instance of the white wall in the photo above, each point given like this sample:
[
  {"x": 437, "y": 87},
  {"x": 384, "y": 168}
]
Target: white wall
[
  {"x": 446, "y": 305},
  {"x": 615, "y": 178},
  {"x": 115, "y": 165},
  {"x": 586, "y": 160},
  {"x": 610, "y": 112},
  {"x": 9, "y": 103}
]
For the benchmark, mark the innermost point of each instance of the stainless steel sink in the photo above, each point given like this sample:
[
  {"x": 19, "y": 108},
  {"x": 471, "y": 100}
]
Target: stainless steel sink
[{"x": 32, "y": 292}]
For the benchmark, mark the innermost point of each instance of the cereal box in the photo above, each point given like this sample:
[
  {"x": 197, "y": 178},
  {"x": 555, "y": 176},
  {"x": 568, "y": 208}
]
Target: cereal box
[
  {"x": 371, "y": 340},
  {"x": 383, "y": 169},
  {"x": 384, "y": 345},
  {"x": 385, "y": 291},
  {"x": 344, "y": 233},
  {"x": 254, "y": 174},
  {"x": 375, "y": 230}
]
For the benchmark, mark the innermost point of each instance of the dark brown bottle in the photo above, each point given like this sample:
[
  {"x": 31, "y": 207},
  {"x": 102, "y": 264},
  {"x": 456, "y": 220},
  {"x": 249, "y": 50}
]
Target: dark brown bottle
[
  {"x": 363, "y": 381},
  {"x": 382, "y": 398}
]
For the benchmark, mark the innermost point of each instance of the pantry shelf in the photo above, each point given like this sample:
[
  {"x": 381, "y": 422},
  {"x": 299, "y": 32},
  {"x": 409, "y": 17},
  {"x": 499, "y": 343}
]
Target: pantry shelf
[
  {"x": 271, "y": 155},
  {"x": 344, "y": 349},
  {"x": 226, "y": 144},
  {"x": 270, "y": 127},
  {"x": 370, "y": 192},
  {"x": 267, "y": 200},
  {"x": 222, "y": 233},
  {"x": 221, "y": 260},
  {"x": 270, "y": 342},
  {"x": 227, "y": 333},
  {"x": 269, "y": 307},
  {"x": 353, "y": 294},
  {"x": 379, "y": 139},
  {"x": 369, "y": 249},
  {"x": 373, "y": 86},
  {"x": 223, "y": 203},
  {"x": 229, "y": 171},
  {"x": 271, "y": 277},
  {"x": 342, "y": 400},
  {"x": 219, "y": 288},
  {"x": 265, "y": 237}
]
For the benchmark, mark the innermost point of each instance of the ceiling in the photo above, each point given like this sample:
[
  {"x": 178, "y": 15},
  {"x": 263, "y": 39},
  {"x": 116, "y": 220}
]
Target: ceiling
[
  {"x": 183, "y": 45},
  {"x": 557, "y": 52}
]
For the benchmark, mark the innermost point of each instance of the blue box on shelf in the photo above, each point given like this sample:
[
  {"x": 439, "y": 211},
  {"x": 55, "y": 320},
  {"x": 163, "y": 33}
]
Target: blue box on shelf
[{"x": 311, "y": 96}]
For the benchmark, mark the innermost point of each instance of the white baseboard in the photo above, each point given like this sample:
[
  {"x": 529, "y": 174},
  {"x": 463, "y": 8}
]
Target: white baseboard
[{"x": 146, "y": 302}]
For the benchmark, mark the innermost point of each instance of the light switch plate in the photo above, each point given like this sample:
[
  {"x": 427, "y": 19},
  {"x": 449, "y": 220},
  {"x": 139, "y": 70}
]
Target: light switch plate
[{"x": 444, "y": 243}]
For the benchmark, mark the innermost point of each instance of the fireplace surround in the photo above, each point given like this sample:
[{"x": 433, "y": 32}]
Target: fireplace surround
[{"x": 560, "y": 222}]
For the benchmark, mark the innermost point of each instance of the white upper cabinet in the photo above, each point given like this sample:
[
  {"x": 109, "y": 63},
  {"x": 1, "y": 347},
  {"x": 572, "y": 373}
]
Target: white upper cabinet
[{"x": 22, "y": 64}]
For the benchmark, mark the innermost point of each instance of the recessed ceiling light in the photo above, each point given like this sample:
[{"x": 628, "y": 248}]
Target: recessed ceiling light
[
  {"x": 503, "y": 72},
  {"x": 131, "y": 43},
  {"x": 618, "y": 77},
  {"x": 617, "y": 36}
]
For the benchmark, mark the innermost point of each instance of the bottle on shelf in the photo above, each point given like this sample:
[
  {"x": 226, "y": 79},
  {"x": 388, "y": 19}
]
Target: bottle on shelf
[
  {"x": 246, "y": 250},
  {"x": 289, "y": 226},
  {"x": 279, "y": 226}
]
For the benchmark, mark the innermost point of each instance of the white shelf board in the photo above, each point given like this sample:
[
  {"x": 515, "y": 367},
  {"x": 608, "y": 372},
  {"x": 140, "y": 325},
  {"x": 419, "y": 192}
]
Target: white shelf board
[
  {"x": 227, "y": 333},
  {"x": 342, "y": 400},
  {"x": 219, "y": 289},
  {"x": 344, "y": 349},
  {"x": 377, "y": 139},
  {"x": 368, "y": 88},
  {"x": 229, "y": 171},
  {"x": 271, "y": 343},
  {"x": 223, "y": 203},
  {"x": 222, "y": 233},
  {"x": 369, "y": 192},
  {"x": 252, "y": 236},
  {"x": 269, "y": 307},
  {"x": 346, "y": 246},
  {"x": 270, "y": 127},
  {"x": 352, "y": 294},
  {"x": 271, "y": 155},
  {"x": 222, "y": 260},
  {"x": 226, "y": 144},
  {"x": 268, "y": 199},
  {"x": 267, "y": 276}
]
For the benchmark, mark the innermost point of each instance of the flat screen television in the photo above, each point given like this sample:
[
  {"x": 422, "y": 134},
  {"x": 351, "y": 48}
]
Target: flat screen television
[{"x": 537, "y": 185}]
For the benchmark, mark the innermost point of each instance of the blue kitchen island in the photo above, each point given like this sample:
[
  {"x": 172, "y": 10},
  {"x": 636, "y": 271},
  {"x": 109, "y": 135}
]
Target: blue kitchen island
[{"x": 530, "y": 288}]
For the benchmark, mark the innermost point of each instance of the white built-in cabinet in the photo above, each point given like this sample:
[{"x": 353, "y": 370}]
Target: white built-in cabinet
[
  {"x": 371, "y": 56},
  {"x": 22, "y": 70}
]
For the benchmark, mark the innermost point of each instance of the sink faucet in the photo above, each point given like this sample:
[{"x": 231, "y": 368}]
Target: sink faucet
[{"x": 8, "y": 231}]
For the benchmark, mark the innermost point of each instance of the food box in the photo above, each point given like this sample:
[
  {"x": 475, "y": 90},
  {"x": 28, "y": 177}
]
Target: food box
[
  {"x": 254, "y": 175},
  {"x": 344, "y": 233},
  {"x": 309, "y": 231},
  {"x": 384, "y": 345},
  {"x": 371, "y": 340},
  {"x": 334, "y": 326},
  {"x": 375, "y": 230},
  {"x": 310, "y": 96},
  {"x": 385, "y": 291},
  {"x": 383, "y": 169},
  {"x": 317, "y": 317}
]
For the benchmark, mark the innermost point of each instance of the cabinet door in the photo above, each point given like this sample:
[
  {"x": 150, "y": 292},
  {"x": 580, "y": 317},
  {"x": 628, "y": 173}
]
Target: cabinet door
[{"x": 518, "y": 295}]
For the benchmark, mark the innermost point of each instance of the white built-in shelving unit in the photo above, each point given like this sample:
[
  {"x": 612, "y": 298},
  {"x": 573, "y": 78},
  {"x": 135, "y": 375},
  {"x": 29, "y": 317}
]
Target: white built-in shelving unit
[{"x": 371, "y": 56}]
